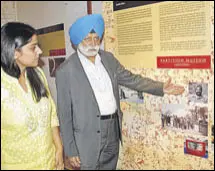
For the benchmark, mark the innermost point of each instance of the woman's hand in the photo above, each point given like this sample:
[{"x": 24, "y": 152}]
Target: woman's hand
[
  {"x": 59, "y": 148},
  {"x": 59, "y": 160}
]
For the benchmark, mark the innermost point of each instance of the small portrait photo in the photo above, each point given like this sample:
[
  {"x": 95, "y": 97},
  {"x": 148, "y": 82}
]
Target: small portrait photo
[
  {"x": 54, "y": 63},
  {"x": 196, "y": 146},
  {"x": 198, "y": 92},
  {"x": 128, "y": 95}
]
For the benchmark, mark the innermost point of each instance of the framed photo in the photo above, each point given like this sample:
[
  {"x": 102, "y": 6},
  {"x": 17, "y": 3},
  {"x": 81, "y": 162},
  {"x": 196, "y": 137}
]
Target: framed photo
[
  {"x": 196, "y": 146},
  {"x": 198, "y": 92},
  {"x": 132, "y": 96},
  {"x": 54, "y": 63}
]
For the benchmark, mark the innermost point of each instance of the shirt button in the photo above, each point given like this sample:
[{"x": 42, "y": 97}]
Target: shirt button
[
  {"x": 98, "y": 115},
  {"x": 98, "y": 131}
]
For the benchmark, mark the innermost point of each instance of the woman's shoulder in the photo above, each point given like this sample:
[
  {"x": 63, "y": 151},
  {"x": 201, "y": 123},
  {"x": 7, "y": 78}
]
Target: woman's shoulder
[
  {"x": 6, "y": 85},
  {"x": 7, "y": 79}
]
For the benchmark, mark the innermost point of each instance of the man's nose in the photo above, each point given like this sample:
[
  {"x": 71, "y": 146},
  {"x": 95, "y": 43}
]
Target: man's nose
[{"x": 93, "y": 42}]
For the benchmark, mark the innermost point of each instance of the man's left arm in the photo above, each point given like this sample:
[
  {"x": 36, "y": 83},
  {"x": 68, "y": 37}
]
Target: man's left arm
[
  {"x": 146, "y": 85},
  {"x": 137, "y": 82}
]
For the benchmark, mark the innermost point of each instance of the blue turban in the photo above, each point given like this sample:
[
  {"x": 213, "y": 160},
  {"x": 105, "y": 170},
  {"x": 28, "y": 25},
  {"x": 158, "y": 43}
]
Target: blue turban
[{"x": 84, "y": 25}]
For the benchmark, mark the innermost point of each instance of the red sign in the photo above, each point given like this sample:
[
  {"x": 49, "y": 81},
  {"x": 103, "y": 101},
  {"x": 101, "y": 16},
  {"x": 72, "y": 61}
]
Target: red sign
[
  {"x": 196, "y": 148},
  {"x": 194, "y": 62},
  {"x": 57, "y": 52}
]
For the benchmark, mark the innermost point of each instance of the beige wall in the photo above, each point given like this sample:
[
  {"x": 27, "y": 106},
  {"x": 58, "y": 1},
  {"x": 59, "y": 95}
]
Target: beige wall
[{"x": 8, "y": 11}]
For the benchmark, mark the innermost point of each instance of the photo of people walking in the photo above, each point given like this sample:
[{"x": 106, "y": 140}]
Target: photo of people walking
[{"x": 192, "y": 120}]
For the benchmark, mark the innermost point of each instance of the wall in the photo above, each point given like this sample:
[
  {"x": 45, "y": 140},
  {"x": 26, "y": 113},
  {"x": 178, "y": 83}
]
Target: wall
[
  {"x": 41, "y": 14},
  {"x": 146, "y": 144},
  {"x": 8, "y": 11}
]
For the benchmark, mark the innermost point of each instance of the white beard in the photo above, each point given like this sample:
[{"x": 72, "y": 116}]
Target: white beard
[{"x": 88, "y": 50}]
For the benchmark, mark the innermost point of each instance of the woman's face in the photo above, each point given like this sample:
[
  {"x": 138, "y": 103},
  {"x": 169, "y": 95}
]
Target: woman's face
[{"x": 29, "y": 54}]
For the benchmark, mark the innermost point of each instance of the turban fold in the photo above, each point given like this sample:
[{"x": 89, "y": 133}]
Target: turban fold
[{"x": 84, "y": 25}]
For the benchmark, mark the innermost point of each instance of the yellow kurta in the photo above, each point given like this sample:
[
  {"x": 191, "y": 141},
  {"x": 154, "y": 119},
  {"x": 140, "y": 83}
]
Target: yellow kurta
[{"x": 26, "y": 134}]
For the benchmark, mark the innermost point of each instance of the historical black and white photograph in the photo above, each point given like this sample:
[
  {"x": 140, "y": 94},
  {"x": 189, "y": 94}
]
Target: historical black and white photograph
[
  {"x": 128, "y": 95},
  {"x": 192, "y": 119},
  {"x": 198, "y": 92}
]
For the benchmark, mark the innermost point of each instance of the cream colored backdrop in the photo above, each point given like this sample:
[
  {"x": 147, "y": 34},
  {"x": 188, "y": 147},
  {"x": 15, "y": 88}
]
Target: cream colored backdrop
[{"x": 146, "y": 144}]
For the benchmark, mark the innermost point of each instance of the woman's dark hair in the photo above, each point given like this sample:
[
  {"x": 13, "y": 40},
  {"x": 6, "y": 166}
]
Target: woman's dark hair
[{"x": 14, "y": 35}]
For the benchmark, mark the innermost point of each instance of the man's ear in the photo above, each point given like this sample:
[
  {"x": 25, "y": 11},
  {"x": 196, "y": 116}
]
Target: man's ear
[{"x": 17, "y": 54}]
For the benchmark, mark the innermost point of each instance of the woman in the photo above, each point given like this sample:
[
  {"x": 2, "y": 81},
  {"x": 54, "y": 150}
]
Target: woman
[{"x": 30, "y": 137}]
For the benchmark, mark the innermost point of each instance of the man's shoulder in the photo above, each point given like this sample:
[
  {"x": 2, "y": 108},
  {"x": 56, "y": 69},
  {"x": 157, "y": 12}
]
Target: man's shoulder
[
  {"x": 105, "y": 53},
  {"x": 66, "y": 64},
  {"x": 204, "y": 98}
]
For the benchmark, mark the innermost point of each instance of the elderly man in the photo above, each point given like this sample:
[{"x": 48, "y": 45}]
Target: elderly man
[
  {"x": 198, "y": 97},
  {"x": 88, "y": 97}
]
